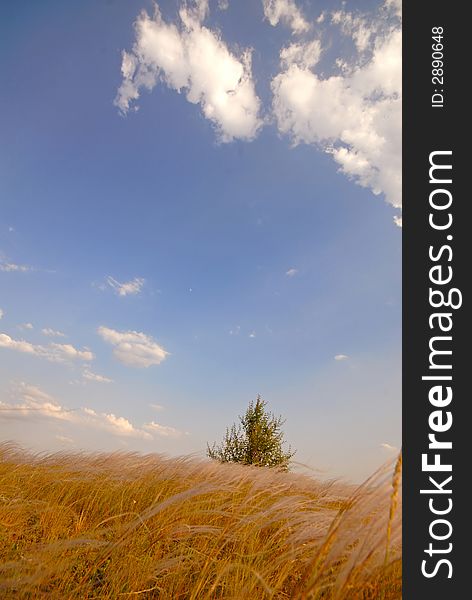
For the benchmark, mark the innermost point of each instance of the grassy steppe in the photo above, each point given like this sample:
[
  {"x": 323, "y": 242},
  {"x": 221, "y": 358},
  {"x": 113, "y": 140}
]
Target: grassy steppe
[{"x": 79, "y": 526}]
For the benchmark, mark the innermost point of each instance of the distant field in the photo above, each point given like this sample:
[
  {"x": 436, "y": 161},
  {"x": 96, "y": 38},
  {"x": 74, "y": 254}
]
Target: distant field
[{"x": 78, "y": 526}]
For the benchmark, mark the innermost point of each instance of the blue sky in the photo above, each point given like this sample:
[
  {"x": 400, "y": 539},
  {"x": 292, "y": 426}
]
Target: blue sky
[{"x": 170, "y": 248}]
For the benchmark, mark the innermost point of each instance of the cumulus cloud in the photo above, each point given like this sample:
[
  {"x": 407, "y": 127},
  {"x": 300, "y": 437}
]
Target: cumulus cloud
[
  {"x": 52, "y": 352},
  {"x": 95, "y": 377},
  {"x": 133, "y": 348},
  {"x": 286, "y": 12},
  {"x": 190, "y": 57},
  {"x": 355, "y": 114},
  {"x": 33, "y": 403},
  {"x": 52, "y": 332},
  {"x": 341, "y": 357},
  {"x": 291, "y": 272},
  {"x": 128, "y": 288},
  {"x": 162, "y": 430}
]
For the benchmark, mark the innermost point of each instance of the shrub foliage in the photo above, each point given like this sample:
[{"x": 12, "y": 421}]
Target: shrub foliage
[{"x": 257, "y": 440}]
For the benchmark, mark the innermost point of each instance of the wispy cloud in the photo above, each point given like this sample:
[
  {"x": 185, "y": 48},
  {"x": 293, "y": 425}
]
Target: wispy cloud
[
  {"x": 52, "y": 332},
  {"x": 34, "y": 403},
  {"x": 128, "y": 288},
  {"x": 291, "y": 272},
  {"x": 24, "y": 326},
  {"x": 398, "y": 221},
  {"x": 95, "y": 377},
  {"x": 2, "y": 313},
  {"x": 133, "y": 348},
  {"x": 10, "y": 267},
  {"x": 389, "y": 447},
  {"x": 189, "y": 56},
  {"x": 163, "y": 430},
  {"x": 157, "y": 407},
  {"x": 341, "y": 357},
  {"x": 287, "y": 12},
  {"x": 52, "y": 352}
]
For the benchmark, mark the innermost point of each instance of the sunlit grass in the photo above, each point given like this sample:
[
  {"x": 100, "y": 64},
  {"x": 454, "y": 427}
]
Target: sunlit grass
[{"x": 78, "y": 526}]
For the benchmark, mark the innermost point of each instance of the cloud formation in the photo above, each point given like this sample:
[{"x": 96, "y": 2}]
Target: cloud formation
[
  {"x": 192, "y": 58},
  {"x": 9, "y": 267},
  {"x": 32, "y": 402},
  {"x": 163, "y": 430},
  {"x": 286, "y": 12},
  {"x": 35, "y": 403},
  {"x": 133, "y": 348},
  {"x": 128, "y": 288},
  {"x": 52, "y": 352},
  {"x": 52, "y": 332},
  {"x": 341, "y": 357},
  {"x": 354, "y": 114},
  {"x": 389, "y": 447},
  {"x": 95, "y": 377}
]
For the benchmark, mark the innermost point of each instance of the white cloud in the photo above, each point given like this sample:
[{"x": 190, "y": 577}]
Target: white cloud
[
  {"x": 52, "y": 332},
  {"x": 287, "y": 12},
  {"x": 398, "y": 220},
  {"x": 357, "y": 27},
  {"x": 34, "y": 403},
  {"x": 307, "y": 55},
  {"x": 53, "y": 352},
  {"x": 193, "y": 58},
  {"x": 121, "y": 426},
  {"x": 341, "y": 357},
  {"x": 68, "y": 352},
  {"x": 157, "y": 407},
  {"x": 2, "y": 313},
  {"x": 389, "y": 447},
  {"x": 223, "y": 4},
  {"x": 252, "y": 334},
  {"x": 11, "y": 267},
  {"x": 24, "y": 326},
  {"x": 291, "y": 272},
  {"x": 133, "y": 348},
  {"x": 95, "y": 377},
  {"x": 354, "y": 116},
  {"x": 163, "y": 430},
  {"x": 128, "y": 288}
]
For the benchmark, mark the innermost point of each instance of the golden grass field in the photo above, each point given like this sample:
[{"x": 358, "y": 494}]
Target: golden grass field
[{"x": 79, "y": 526}]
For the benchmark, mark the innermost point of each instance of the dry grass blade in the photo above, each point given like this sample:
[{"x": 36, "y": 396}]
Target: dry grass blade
[{"x": 81, "y": 526}]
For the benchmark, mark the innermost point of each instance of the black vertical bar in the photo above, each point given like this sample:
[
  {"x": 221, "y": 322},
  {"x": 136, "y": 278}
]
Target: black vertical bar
[{"x": 434, "y": 119}]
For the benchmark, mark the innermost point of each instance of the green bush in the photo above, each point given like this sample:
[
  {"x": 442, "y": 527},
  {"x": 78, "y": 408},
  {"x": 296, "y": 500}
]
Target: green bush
[{"x": 257, "y": 440}]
